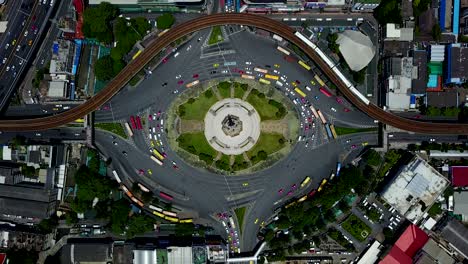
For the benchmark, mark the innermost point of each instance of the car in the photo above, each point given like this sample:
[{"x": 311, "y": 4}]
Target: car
[
  {"x": 248, "y": 62},
  {"x": 224, "y": 71},
  {"x": 348, "y": 141},
  {"x": 276, "y": 65},
  {"x": 178, "y": 76},
  {"x": 195, "y": 76},
  {"x": 245, "y": 184},
  {"x": 216, "y": 65},
  {"x": 294, "y": 187},
  {"x": 38, "y": 134},
  {"x": 33, "y": 27},
  {"x": 141, "y": 172},
  {"x": 417, "y": 116},
  {"x": 124, "y": 153},
  {"x": 308, "y": 88},
  {"x": 256, "y": 221},
  {"x": 212, "y": 72},
  {"x": 268, "y": 66},
  {"x": 18, "y": 48},
  {"x": 298, "y": 82},
  {"x": 289, "y": 193},
  {"x": 316, "y": 97},
  {"x": 30, "y": 42},
  {"x": 432, "y": 140},
  {"x": 115, "y": 143},
  {"x": 150, "y": 172},
  {"x": 23, "y": 23},
  {"x": 175, "y": 167},
  {"x": 13, "y": 42},
  {"x": 333, "y": 109},
  {"x": 180, "y": 82},
  {"x": 346, "y": 110},
  {"x": 34, "y": 18},
  {"x": 35, "y": 31},
  {"x": 280, "y": 191},
  {"x": 14, "y": 74},
  {"x": 312, "y": 82},
  {"x": 164, "y": 60},
  {"x": 189, "y": 47},
  {"x": 339, "y": 100},
  {"x": 365, "y": 143},
  {"x": 7, "y": 46},
  {"x": 177, "y": 54},
  {"x": 4, "y": 60},
  {"x": 26, "y": 33}
]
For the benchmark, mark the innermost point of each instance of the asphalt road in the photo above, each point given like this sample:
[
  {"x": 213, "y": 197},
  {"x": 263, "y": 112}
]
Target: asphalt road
[
  {"x": 57, "y": 134},
  {"x": 25, "y": 21},
  {"x": 206, "y": 192}
]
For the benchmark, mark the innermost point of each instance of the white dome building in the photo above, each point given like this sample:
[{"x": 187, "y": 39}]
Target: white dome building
[{"x": 357, "y": 49}]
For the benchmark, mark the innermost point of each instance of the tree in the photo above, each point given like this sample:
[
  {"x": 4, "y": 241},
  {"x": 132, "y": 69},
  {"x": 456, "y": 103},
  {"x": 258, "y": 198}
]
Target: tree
[
  {"x": 360, "y": 76},
  {"x": 165, "y": 21},
  {"x": 119, "y": 216},
  {"x": 388, "y": 11},
  {"x": 18, "y": 141},
  {"x": 372, "y": 157},
  {"x": 185, "y": 229},
  {"x": 47, "y": 225},
  {"x": 139, "y": 225},
  {"x": 436, "y": 32},
  {"x": 28, "y": 171},
  {"x": 104, "y": 68},
  {"x": 262, "y": 155},
  {"x": 96, "y": 21},
  {"x": 22, "y": 256}
]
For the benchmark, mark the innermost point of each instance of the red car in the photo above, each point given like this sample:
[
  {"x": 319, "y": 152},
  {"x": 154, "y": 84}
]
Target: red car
[
  {"x": 289, "y": 193},
  {"x": 180, "y": 82},
  {"x": 150, "y": 117},
  {"x": 293, "y": 187},
  {"x": 353, "y": 146},
  {"x": 195, "y": 76},
  {"x": 346, "y": 110},
  {"x": 298, "y": 82},
  {"x": 33, "y": 27},
  {"x": 165, "y": 60},
  {"x": 417, "y": 116},
  {"x": 141, "y": 172},
  {"x": 339, "y": 100},
  {"x": 280, "y": 191},
  {"x": 312, "y": 193},
  {"x": 241, "y": 72}
]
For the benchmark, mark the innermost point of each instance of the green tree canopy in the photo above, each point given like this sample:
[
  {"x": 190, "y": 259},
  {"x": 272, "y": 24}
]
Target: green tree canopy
[
  {"x": 165, "y": 21},
  {"x": 104, "y": 68},
  {"x": 97, "y": 21},
  {"x": 139, "y": 225}
]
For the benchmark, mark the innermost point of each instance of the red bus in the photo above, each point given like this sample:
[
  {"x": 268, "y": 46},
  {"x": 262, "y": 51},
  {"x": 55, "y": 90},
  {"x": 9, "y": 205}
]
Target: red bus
[
  {"x": 289, "y": 58},
  {"x": 138, "y": 122},
  {"x": 166, "y": 196},
  {"x": 132, "y": 121},
  {"x": 312, "y": 193},
  {"x": 325, "y": 92}
]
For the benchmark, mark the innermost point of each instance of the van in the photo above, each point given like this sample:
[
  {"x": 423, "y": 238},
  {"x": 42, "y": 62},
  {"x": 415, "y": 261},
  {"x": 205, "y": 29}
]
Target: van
[
  {"x": 280, "y": 84},
  {"x": 175, "y": 55}
]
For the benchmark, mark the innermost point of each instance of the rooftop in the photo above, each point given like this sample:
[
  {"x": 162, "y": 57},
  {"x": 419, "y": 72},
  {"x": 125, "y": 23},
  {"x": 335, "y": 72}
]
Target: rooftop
[
  {"x": 415, "y": 189},
  {"x": 356, "y": 48},
  {"x": 406, "y": 247},
  {"x": 460, "y": 176},
  {"x": 447, "y": 98},
  {"x": 437, "y": 253},
  {"x": 457, "y": 235},
  {"x": 457, "y": 71},
  {"x": 460, "y": 204},
  {"x": 27, "y": 200},
  {"x": 420, "y": 63}
]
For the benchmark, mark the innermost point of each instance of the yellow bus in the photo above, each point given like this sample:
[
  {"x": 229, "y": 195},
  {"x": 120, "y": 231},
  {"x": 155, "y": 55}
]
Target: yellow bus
[
  {"x": 332, "y": 128},
  {"x": 303, "y": 198},
  {"x": 158, "y": 214},
  {"x": 136, "y": 54},
  {"x": 291, "y": 204},
  {"x": 305, "y": 181},
  {"x": 272, "y": 77},
  {"x": 319, "y": 80},
  {"x": 158, "y": 155},
  {"x": 324, "y": 181},
  {"x": 300, "y": 92},
  {"x": 303, "y": 64},
  {"x": 185, "y": 221},
  {"x": 264, "y": 81},
  {"x": 172, "y": 219}
]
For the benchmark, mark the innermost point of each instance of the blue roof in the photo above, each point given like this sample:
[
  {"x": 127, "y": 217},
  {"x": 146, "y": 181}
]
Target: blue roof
[
  {"x": 456, "y": 16},
  {"x": 442, "y": 15},
  {"x": 55, "y": 48},
  {"x": 432, "y": 82}
]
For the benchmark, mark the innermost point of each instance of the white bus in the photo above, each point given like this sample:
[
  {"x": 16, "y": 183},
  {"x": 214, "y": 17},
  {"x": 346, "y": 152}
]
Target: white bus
[
  {"x": 156, "y": 160},
  {"x": 116, "y": 176},
  {"x": 283, "y": 50},
  {"x": 129, "y": 130},
  {"x": 260, "y": 70}
]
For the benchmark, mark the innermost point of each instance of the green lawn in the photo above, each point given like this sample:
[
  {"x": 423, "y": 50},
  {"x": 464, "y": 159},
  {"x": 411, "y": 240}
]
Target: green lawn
[
  {"x": 265, "y": 110},
  {"x": 215, "y": 36},
  {"x": 240, "y": 213},
  {"x": 357, "y": 228},
  {"x": 115, "y": 128},
  {"x": 198, "y": 141},
  {"x": 348, "y": 130},
  {"x": 238, "y": 91},
  {"x": 224, "y": 89},
  {"x": 199, "y": 107},
  {"x": 268, "y": 142}
]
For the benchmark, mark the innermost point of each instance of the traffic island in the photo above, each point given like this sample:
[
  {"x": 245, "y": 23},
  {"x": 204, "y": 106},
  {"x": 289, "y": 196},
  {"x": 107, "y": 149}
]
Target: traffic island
[{"x": 216, "y": 129}]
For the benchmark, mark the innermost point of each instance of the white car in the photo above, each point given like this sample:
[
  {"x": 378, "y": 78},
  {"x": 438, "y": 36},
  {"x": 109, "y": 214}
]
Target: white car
[
  {"x": 4, "y": 60},
  {"x": 18, "y": 48},
  {"x": 7, "y": 68},
  {"x": 432, "y": 140},
  {"x": 224, "y": 71},
  {"x": 26, "y": 33},
  {"x": 7, "y": 45},
  {"x": 248, "y": 62},
  {"x": 189, "y": 47},
  {"x": 178, "y": 76},
  {"x": 308, "y": 88},
  {"x": 333, "y": 109},
  {"x": 175, "y": 55}
]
